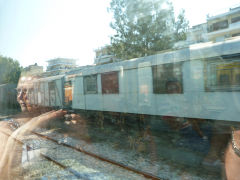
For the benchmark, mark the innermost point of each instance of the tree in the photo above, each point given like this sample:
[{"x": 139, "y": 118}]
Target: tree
[
  {"x": 10, "y": 70},
  {"x": 181, "y": 27},
  {"x": 144, "y": 27}
]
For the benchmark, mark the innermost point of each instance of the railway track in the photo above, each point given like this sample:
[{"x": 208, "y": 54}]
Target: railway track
[
  {"x": 61, "y": 165},
  {"x": 79, "y": 149},
  {"x": 143, "y": 173}
]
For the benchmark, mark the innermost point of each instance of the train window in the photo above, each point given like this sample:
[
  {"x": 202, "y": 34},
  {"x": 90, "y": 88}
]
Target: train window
[
  {"x": 52, "y": 94},
  {"x": 237, "y": 78},
  {"x": 222, "y": 75},
  {"x": 68, "y": 93},
  {"x": 167, "y": 78},
  {"x": 90, "y": 84},
  {"x": 110, "y": 83}
]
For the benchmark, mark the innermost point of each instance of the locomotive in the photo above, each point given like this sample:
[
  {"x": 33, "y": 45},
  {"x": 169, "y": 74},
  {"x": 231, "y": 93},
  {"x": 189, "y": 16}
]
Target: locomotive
[{"x": 201, "y": 81}]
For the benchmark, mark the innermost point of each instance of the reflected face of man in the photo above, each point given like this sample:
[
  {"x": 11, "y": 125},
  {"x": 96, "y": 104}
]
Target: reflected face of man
[{"x": 22, "y": 99}]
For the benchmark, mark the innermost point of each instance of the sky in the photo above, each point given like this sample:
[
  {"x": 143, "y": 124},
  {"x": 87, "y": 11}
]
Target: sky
[{"x": 33, "y": 31}]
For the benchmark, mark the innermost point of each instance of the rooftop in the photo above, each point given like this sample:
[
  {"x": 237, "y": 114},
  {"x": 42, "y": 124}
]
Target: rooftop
[
  {"x": 55, "y": 59},
  {"x": 224, "y": 12}
]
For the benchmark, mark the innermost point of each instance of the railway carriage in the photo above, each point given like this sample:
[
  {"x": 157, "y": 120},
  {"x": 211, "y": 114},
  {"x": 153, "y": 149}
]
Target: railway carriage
[{"x": 201, "y": 81}]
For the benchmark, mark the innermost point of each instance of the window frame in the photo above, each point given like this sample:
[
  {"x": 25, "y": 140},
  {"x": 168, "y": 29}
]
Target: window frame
[
  {"x": 85, "y": 84},
  {"x": 235, "y": 19},
  {"x": 68, "y": 85},
  {"x": 104, "y": 82},
  {"x": 157, "y": 88},
  {"x": 209, "y": 64}
]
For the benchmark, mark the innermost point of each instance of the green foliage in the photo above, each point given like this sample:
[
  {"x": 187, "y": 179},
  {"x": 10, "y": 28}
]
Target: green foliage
[
  {"x": 181, "y": 27},
  {"x": 10, "y": 70},
  {"x": 144, "y": 27}
]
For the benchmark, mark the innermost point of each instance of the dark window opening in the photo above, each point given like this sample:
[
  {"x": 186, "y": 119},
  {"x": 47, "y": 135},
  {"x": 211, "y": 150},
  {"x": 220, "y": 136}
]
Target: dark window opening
[
  {"x": 235, "y": 19},
  {"x": 219, "y": 25},
  {"x": 167, "y": 79},
  {"x": 237, "y": 34},
  {"x": 68, "y": 93},
  {"x": 237, "y": 79},
  {"x": 224, "y": 80},
  {"x": 222, "y": 76},
  {"x": 110, "y": 83}
]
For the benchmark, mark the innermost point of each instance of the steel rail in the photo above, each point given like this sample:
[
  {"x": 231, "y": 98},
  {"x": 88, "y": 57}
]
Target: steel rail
[
  {"x": 105, "y": 159},
  {"x": 74, "y": 172}
]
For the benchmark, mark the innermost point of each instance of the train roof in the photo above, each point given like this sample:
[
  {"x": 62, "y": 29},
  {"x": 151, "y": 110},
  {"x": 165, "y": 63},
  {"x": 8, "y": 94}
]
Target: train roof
[
  {"x": 49, "y": 78},
  {"x": 28, "y": 83},
  {"x": 193, "y": 52}
]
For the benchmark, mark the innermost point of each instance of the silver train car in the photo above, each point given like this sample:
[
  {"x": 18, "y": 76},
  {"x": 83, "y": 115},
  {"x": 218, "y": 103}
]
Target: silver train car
[
  {"x": 8, "y": 97},
  {"x": 201, "y": 81}
]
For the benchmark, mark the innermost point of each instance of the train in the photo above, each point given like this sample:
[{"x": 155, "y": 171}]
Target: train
[
  {"x": 201, "y": 81},
  {"x": 8, "y": 97}
]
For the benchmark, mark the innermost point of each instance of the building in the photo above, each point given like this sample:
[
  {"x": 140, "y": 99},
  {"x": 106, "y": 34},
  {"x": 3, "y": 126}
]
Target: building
[
  {"x": 224, "y": 25},
  {"x": 217, "y": 28},
  {"x": 104, "y": 55},
  {"x": 32, "y": 70},
  {"x": 197, "y": 34},
  {"x": 60, "y": 65}
]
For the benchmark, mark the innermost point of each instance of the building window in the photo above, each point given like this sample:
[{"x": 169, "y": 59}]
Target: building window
[
  {"x": 90, "y": 84},
  {"x": 222, "y": 75},
  {"x": 110, "y": 83},
  {"x": 237, "y": 34},
  {"x": 167, "y": 78},
  {"x": 219, "y": 25},
  {"x": 235, "y": 19}
]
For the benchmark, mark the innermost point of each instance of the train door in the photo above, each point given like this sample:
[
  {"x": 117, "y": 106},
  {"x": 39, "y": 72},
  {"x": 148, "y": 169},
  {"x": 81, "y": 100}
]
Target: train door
[
  {"x": 52, "y": 94},
  {"x": 42, "y": 91},
  {"x": 35, "y": 85},
  {"x": 31, "y": 96},
  {"x": 46, "y": 94},
  {"x": 39, "y": 96},
  {"x": 68, "y": 94}
]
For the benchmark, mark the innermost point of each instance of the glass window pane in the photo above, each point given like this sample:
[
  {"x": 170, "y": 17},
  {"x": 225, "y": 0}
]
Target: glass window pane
[{"x": 110, "y": 83}]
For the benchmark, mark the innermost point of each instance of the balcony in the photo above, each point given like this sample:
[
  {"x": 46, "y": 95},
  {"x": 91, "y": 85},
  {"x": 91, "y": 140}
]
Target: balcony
[{"x": 232, "y": 29}]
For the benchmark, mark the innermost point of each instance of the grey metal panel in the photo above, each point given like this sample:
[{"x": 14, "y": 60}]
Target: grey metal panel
[
  {"x": 99, "y": 84},
  {"x": 130, "y": 90},
  {"x": 221, "y": 105},
  {"x": 193, "y": 76},
  {"x": 218, "y": 106},
  {"x": 113, "y": 102},
  {"x": 130, "y": 81},
  {"x": 78, "y": 94},
  {"x": 94, "y": 102},
  {"x": 145, "y": 96},
  {"x": 59, "y": 92},
  {"x": 171, "y": 105}
]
